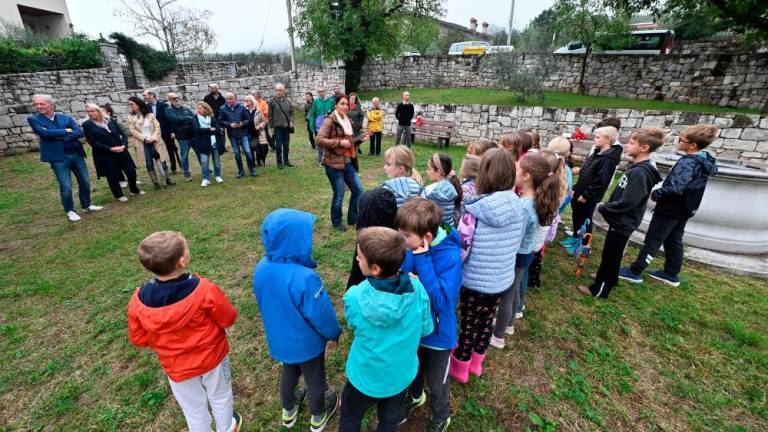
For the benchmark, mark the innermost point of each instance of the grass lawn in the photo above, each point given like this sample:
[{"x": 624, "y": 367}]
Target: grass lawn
[
  {"x": 651, "y": 358},
  {"x": 468, "y": 96}
]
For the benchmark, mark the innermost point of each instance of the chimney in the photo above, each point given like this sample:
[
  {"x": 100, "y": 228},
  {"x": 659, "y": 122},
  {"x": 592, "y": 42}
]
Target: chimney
[
  {"x": 485, "y": 28},
  {"x": 472, "y": 25}
]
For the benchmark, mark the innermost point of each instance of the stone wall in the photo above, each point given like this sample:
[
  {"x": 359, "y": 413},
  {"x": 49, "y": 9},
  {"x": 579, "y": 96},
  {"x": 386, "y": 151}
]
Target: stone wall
[
  {"x": 741, "y": 136},
  {"x": 735, "y": 80},
  {"x": 210, "y": 72}
]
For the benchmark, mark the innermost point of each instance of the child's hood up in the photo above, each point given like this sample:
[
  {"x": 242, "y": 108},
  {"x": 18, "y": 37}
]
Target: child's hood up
[{"x": 287, "y": 237}]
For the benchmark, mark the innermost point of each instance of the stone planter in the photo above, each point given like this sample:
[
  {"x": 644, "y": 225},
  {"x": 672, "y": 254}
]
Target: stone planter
[{"x": 733, "y": 217}]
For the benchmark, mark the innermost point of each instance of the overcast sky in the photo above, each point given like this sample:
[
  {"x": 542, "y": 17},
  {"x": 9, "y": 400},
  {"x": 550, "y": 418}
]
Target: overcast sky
[{"x": 242, "y": 26}]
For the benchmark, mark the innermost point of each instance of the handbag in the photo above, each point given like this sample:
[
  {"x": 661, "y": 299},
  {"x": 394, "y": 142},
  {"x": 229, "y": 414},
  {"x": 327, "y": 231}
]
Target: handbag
[{"x": 291, "y": 129}]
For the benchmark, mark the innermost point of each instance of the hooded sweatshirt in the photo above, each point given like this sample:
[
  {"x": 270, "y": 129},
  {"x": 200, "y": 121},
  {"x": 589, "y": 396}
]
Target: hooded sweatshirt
[
  {"x": 186, "y": 331},
  {"x": 596, "y": 174},
  {"x": 388, "y": 317},
  {"x": 681, "y": 193},
  {"x": 626, "y": 206},
  {"x": 444, "y": 194},
  {"x": 297, "y": 313},
  {"x": 490, "y": 266},
  {"x": 439, "y": 270},
  {"x": 403, "y": 188}
]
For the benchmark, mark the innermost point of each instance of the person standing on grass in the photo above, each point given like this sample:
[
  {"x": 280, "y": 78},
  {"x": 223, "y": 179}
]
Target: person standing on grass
[
  {"x": 263, "y": 106},
  {"x": 110, "y": 151},
  {"x": 337, "y": 91},
  {"x": 60, "y": 146},
  {"x": 182, "y": 317},
  {"x": 144, "y": 132},
  {"x": 321, "y": 106},
  {"x": 356, "y": 114},
  {"x": 207, "y": 142},
  {"x": 375, "y": 127},
  {"x": 158, "y": 111},
  {"x": 214, "y": 99},
  {"x": 234, "y": 117},
  {"x": 281, "y": 120},
  {"x": 309, "y": 99},
  {"x": 180, "y": 119},
  {"x": 404, "y": 115},
  {"x": 256, "y": 131}
]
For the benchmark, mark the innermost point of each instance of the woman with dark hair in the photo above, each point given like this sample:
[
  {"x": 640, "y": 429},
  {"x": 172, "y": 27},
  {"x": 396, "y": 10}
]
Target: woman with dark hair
[
  {"x": 144, "y": 135},
  {"x": 377, "y": 207},
  {"x": 110, "y": 151},
  {"x": 340, "y": 161}
]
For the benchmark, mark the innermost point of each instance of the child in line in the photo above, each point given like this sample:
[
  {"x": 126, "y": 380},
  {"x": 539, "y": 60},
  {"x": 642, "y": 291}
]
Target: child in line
[
  {"x": 378, "y": 207},
  {"x": 594, "y": 178},
  {"x": 445, "y": 189},
  {"x": 434, "y": 255},
  {"x": 562, "y": 148},
  {"x": 540, "y": 193},
  {"x": 402, "y": 179},
  {"x": 182, "y": 317},
  {"x": 479, "y": 147},
  {"x": 389, "y": 313},
  {"x": 469, "y": 168},
  {"x": 535, "y": 138},
  {"x": 298, "y": 316},
  {"x": 491, "y": 230},
  {"x": 625, "y": 208},
  {"x": 519, "y": 143},
  {"x": 677, "y": 200}
]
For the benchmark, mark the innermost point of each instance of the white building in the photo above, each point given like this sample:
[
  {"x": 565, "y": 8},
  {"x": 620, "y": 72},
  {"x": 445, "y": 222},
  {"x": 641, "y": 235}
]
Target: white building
[{"x": 46, "y": 17}]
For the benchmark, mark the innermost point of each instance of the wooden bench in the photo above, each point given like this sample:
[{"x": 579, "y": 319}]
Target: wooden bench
[{"x": 441, "y": 130}]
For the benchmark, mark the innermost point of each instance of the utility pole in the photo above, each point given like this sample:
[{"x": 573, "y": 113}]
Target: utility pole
[
  {"x": 290, "y": 36},
  {"x": 511, "y": 18}
]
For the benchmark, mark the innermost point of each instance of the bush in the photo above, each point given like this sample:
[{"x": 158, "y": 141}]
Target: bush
[
  {"x": 527, "y": 80},
  {"x": 156, "y": 64},
  {"x": 21, "y": 51}
]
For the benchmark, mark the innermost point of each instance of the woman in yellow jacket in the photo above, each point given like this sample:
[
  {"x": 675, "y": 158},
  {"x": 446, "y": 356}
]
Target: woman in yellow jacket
[
  {"x": 144, "y": 134},
  {"x": 375, "y": 125}
]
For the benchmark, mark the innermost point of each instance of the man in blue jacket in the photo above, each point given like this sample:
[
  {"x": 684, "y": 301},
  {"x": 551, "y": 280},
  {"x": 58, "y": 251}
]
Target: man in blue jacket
[
  {"x": 60, "y": 146},
  {"x": 235, "y": 118},
  {"x": 158, "y": 110},
  {"x": 298, "y": 316}
]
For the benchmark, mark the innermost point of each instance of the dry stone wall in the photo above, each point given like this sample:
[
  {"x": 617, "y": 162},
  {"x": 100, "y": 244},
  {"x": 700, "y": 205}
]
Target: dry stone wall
[{"x": 210, "y": 72}]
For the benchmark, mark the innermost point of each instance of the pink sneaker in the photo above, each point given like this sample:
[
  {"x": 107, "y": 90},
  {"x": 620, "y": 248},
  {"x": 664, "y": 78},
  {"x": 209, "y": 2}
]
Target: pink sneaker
[
  {"x": 476, "y": 364},
  {"x": 459, "y": 370}
]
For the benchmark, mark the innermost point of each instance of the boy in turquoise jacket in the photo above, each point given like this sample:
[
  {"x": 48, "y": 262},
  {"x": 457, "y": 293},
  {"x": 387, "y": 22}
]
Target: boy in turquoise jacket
[{"x": 389, "y": 313}]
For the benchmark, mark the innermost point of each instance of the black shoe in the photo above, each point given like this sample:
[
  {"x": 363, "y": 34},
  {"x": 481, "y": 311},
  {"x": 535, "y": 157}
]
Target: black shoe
[
  {"x": 439, "y": 425},
  {"x": 240, "y": 174},
  {"x": 290, "y": 416},
  {"x": 156, "y": 185},
  {"x": 411, "y": 404},
  {"x": 340, "y": 228},
  {"x": 332, "y": 402},
  {"x": 169, "y": 182},
  {"x": 289, "y": 164},
  {"x": 254, "y": 174},
  {"x": 279, "y": 166}
]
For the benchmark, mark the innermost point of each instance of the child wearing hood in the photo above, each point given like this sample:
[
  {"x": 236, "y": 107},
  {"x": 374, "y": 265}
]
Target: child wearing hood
[
  {"x": 389, "y": 313},
  {"x": 445, "y": 190},
  {"x": 298, "y": 316},
  {"x": 402, "y": 179}
]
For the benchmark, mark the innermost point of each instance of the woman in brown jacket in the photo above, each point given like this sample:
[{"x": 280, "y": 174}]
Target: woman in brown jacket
[
  {"x": 336, "y": 137},
  {"x": 144, "y": 134}
]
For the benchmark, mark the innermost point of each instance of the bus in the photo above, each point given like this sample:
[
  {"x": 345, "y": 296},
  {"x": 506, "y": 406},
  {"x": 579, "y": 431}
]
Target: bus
[
  {"x": 645, "y": 42},
  {"x": 473, "y": 47}
]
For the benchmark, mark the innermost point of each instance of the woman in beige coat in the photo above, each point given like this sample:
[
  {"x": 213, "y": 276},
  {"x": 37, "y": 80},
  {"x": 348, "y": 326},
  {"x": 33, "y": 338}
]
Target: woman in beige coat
[{"x": 144, "y": 132}]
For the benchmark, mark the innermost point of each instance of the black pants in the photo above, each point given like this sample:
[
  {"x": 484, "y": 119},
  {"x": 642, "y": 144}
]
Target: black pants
[
  {"x": 314, "y": 377},
  {"x": 114, "y": 182},
  {"x": 477, "y": 312},
  {"x": 173, "y": 152},
  {"x": 433, "y": 368},
  {"x": 610, "y": 264},
  {"x": 311, "y": 135},
  {"x": 354, "y": 404},
  {"x": 582, "y": 212},
  {"x": 666, "y": 230},
  {"x": 375, "y": 144}
]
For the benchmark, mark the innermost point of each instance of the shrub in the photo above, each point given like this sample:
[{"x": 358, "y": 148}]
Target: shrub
[
  {"x": 156, "y": 64},
  {"x": 527, "y": 80},
  {"x": 23, "y": 51}
]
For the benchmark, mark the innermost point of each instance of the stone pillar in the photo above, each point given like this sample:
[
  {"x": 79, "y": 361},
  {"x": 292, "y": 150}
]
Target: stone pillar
[{"x": 113, "y": 65}]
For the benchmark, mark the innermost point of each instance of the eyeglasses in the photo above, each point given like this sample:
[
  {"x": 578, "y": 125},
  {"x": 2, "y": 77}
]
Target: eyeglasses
[{"x": 683, "y": 141}]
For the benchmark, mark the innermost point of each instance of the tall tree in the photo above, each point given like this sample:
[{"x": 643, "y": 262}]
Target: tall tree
[
  {"x": 354, "y": 30},
  {"x": 178, "y": 30},
  {"x": 592, "y": 24}
]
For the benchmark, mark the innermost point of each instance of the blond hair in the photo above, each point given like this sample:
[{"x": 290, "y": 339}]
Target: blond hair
[
  {"x": 650, "y": 136},
  {"x": 700, "y": 134},
  {"x": 479, "y": 147},
  {"x": 102, "y": 115},
  {"x": 560, "y": 145},
  {"x": 207, "y": 108},
  {"x": 609, "y": 131},
  {"x": 402, "y": 156}
]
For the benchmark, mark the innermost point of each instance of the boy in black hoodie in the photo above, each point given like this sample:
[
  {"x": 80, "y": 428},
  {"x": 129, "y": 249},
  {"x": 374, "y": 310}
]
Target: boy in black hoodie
[
  {"x": 594, "y": 178},
  {"x": 677, "y": 200},
  {"x": 625, "y": 208}
]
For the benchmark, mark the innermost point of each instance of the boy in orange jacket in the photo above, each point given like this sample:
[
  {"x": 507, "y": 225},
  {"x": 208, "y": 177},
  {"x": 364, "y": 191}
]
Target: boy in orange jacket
[{"x": 182, "y": 317}]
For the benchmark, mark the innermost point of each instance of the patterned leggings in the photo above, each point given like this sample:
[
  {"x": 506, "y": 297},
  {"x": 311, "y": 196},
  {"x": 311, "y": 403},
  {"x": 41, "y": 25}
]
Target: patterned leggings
[{"x": 477, "y": 311}]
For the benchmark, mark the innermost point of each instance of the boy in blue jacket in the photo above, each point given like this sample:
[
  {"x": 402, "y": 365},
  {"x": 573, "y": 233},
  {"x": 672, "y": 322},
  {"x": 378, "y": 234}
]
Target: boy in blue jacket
[
  {"x": 434, "y": 255},
  {"x": 298, "y": 316},
  {"x": 389, "y": 313}
]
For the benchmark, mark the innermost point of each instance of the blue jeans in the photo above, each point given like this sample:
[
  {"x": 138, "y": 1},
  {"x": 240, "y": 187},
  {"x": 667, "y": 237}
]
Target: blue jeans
[
  {"x": 237, "y": 144},
  {"x": 204, "y": 158},
  {"x": 148, "y": 159},
  {"x": 185, "y": 145},
  {"x": 282, "y": 139},
  {"x": 62, "y": 169},
  {"x": 338, "y": 178}
]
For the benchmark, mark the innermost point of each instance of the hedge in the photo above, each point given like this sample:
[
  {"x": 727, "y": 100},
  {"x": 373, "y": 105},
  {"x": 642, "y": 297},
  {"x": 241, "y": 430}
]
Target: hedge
[
  {"x": 72, "y": 52},
  {"x": 156, "y": 64}
]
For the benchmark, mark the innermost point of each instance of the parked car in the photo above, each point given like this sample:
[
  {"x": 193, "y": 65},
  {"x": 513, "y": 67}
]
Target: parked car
[
  {"x": 646, "y": 42},
  {"x": 476, "y": 47},
  {"x": 411, "y": 54}
]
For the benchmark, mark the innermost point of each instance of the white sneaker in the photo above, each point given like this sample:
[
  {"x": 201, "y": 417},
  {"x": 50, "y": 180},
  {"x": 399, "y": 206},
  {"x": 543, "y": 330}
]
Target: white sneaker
[
  {"x": 219, "y": 179},
  {"x": 93, "y": 208},
  {"x": 497, "y": 342},
  {"x": 141, "y": 192},
  {"x": 138, "y": 182},
  {"x": 519, "y": 315},
  {"x": 73, "y": 217},
  {"x": 123, "y": 184},
  {"x": 205, "y": 182},
  {"x": 510, "y": 330},
  {"x": 123, "y": 199}
]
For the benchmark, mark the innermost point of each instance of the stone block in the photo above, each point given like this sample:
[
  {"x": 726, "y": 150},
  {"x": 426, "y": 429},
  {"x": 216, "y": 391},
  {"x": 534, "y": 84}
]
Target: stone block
[
  {"x": 654, "y": 121},
  {"x": 762, "y": 147},
  {"x": 737, "y": 144},
  {"x": 723, "y": 122},
  {"x": 755, "y": 134},
  {"x": 730, "y": 132}
]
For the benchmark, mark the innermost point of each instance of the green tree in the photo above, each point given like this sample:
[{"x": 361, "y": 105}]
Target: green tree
[
  {"x": 527, "y": 80},
  {"x": 592, "y": 24},
  {"x": 540, "y": 33},
  {"x": 354, "y": 30}
]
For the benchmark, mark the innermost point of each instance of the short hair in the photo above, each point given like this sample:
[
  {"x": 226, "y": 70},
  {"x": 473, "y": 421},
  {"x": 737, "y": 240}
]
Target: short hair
[
  {"x": 309, "y": 94},
  {"x": 206, "y": 107},
  {"x": 150, "y": 92},
  {"x": 609, "y": 121},
  {"x": 256, "y": 93},
  {"x": 650, "y": 136},
  {"x": 608, "y": 131},
  {"x": 46, "y": 97},
  {"x": 560, "y": 145},
  {"x": 279, "y": 86},
  {"x": 419, "y": 216},
  {"x": 497, "y": 172},
  {"x": 406, "y": 93},
  {"x": 375, "y": 99},
  {"x": 160, "y": 251},
  {"x": 479, "y": 147},
  {"x": 470, "y": 166},
  {"x": 214, "y": 85},
  {"x": 700, "y": 134},
  {"x": 383, "y": 247},
  {"x": 171, "y": 95},
  {"x": 229, "y": 94}
]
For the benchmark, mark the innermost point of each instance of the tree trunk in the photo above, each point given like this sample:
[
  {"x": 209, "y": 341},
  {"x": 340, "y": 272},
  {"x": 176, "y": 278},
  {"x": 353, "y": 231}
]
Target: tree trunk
[
  {"x": 354, "y": 69},
  {"x": 583, "y": 71}
]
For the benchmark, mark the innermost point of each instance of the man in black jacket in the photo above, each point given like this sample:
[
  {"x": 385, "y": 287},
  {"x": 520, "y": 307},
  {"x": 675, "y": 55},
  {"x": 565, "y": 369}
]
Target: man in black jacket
[
  {"x": 404, "y": 115},
  {"x": 214, "y": 98},
  {"x": 625, "y": 208},
  {"x": 158, "y": 110},
  {"x": 180, "y": 119}
]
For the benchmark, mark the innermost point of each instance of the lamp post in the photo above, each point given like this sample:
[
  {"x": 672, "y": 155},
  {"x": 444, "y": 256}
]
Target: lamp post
[{"x": 336, "y": 8}]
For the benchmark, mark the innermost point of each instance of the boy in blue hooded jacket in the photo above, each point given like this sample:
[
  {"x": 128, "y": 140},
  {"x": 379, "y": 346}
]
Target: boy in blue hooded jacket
[
  {"x": 389, "y": 313},
  {"x": 298, "y": 316},
  {"x": 434, "y": 255}
]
